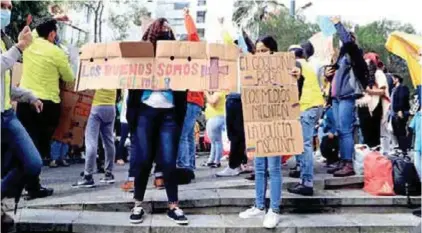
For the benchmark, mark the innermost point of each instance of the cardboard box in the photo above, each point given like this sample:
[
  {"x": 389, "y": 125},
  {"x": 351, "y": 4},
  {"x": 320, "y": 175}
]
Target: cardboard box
[
  {"x": 17, "y": 74},
  {"x": 75, "y": 110},
  {"x": 178, "y": 65}
]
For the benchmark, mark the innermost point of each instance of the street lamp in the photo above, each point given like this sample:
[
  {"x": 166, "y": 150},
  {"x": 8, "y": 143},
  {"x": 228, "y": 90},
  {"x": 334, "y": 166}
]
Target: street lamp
[{"x": 292, "y": 9}]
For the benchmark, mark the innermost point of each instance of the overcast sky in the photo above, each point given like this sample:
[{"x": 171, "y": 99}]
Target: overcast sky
[{"x": 365, "y": 11}]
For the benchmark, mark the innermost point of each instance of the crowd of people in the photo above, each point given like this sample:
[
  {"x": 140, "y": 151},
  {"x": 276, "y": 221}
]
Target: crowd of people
[{"x": 354, "y": 95}]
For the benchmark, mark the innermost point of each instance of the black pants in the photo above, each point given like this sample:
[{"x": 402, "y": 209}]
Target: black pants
[
  {"x": 399, "y": 129},
  {"x": 371, "y": 125},
  {"x": 330, "y": 149},
  {"x": 40, "y": 127},
  {"x": 235, "y": 131}
]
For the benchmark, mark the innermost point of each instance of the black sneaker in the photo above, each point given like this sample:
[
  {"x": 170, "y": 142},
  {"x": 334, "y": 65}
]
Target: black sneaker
[
  {"x": 178, "y": 216},
  {"x": 108, "y": 178},
  {"x": 294, "y": 174},
  {"x": 216, "y": 165},
  {"x": 137, "y": 215},
  {"x": 40, "y": 193},
  {"x": 86, "y": 182},
  {"x": 301, "y": 190}
]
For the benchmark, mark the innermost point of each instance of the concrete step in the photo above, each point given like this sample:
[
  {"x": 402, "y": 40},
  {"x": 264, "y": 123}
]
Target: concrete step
[
  {"x": 211, "y": 201},
  {"x": 30, "y": 220}
]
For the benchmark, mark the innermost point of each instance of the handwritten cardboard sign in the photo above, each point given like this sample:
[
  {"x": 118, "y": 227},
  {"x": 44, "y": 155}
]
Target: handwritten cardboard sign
[
  {"x": 196, "y": 66},
  {"x": 270, "y": 103},
  {"x": 75, "y": 109}
]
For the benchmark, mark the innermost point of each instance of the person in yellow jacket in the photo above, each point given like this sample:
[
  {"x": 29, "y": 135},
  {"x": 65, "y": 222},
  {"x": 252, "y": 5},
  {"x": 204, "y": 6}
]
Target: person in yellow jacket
[
  {"x": 311, "y": 106},
  {"x": 44, "y": 65},
  {"x": 101, "y": 120}
]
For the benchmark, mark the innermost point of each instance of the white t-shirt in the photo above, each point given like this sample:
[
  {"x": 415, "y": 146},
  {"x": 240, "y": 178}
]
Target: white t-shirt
[
  {"x": 381, "y": 80},
  {"x": 158, "y": 100},
  {"x": 124, "y": 107}
]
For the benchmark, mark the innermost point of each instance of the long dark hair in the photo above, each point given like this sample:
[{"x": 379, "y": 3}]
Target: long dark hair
[
  {"x": 153, "y": 31},
  {"x": 269, "y": 42}
]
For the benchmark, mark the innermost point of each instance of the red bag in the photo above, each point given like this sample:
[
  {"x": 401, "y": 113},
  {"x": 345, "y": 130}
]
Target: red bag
[{"x": 378, "y": 175}]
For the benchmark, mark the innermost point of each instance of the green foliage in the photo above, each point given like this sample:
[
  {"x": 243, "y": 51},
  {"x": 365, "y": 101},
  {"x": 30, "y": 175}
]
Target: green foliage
[
  {"x": 372, "y": 38},
  {"x": 20, "y": 12},
  {"x": 287, "y": 30}
]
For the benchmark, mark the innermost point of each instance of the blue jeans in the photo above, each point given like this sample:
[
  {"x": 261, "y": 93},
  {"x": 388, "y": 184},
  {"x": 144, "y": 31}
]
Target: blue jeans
[
  {"x": 20, "y": 149},
  {"x": 124, "y": 127},
  {"x": 345, "y": 117},
  {"x": 58, "y": 150},
  {"x": 186, "y": 154},
  {"x": 215, "y": 127},
  {"x": 155, "y": 138},
  {"x": 273, "y": 164},
  {"x": 308, "y": 120}
]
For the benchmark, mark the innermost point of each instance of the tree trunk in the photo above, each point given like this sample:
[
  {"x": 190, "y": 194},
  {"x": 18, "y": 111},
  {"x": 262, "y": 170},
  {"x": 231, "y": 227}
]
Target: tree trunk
[
  {"x": 100, "y": 34},
  {"x": 96, "y": 12}
]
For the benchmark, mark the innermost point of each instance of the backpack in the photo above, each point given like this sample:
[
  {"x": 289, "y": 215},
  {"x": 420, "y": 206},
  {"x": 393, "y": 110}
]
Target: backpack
[{"x": 405, "y": 176}]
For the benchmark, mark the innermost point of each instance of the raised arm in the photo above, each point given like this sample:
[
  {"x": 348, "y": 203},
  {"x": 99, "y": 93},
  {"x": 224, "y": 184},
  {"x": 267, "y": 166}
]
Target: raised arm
[
  {"x": 9, "y": 58},
  {"x": 190, "y": 27},
  {"x": 65, "y": 70},
  {"x": 344, "y": 35}
]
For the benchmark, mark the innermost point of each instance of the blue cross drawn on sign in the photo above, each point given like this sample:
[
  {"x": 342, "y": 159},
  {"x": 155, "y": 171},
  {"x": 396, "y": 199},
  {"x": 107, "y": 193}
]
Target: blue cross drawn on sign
[{"x": 214, "y": 71}]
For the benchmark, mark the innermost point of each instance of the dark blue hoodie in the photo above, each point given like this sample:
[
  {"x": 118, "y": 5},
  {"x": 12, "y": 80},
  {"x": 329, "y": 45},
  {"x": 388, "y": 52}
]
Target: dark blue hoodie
[{"x": 351, "y": 57}]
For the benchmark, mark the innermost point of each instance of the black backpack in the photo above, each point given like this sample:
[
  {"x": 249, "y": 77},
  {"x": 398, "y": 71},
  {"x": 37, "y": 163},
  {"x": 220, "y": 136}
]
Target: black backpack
[{"x": 405, "y": 176}]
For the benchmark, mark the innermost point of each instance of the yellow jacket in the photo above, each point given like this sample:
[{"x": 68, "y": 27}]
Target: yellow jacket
[
  {"x": 44, "y": 65},
  {"x": 311, "y": 92}
]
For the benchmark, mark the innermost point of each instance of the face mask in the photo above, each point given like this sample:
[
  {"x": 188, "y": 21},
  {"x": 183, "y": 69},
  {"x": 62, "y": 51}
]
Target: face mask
[
  {"x": 164, "y": 36},
  {"x": 5, "y": 18},
  {"x": 57, "y": 40}
]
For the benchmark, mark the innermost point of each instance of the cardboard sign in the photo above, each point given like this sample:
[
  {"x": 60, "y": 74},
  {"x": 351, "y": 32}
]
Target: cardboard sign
[
  {"x": 324, "y": 49},
  {"x": 266, "y": 69},
  {"x": 196, "y": 66},
  {"x": 270, "y": 103},
  {"x": 16, "y": 74},
  {"x": 75, "y": 109}
]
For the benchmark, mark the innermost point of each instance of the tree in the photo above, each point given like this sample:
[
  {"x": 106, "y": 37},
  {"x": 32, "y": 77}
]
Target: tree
[
  {"x": 372, "y": 38},
  {"x": 287, "y": 30},
  {"x": 120, "y": 23},
  {"x": 92, "y": 7},
  {"x": 248, "y": 14},
  {"x": 20, "y": 12}
]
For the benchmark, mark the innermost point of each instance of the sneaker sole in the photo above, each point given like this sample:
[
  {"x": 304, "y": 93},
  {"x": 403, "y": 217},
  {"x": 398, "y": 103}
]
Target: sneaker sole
[
  {"x": 108, "y": 181},
  {"x": 136, "y": 221},
  {"x": 185, "y": 222},
  {"x": 231, "y": 175}
]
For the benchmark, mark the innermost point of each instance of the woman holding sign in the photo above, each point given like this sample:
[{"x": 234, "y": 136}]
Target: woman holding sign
[
  {"x": 266, "y": 44},
  {"x": 155, "y": 119}
]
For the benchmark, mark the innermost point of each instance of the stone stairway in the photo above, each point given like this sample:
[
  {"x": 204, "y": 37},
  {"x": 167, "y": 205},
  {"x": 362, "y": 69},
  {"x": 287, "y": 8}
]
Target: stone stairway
[{"x": 212, "y": 205}]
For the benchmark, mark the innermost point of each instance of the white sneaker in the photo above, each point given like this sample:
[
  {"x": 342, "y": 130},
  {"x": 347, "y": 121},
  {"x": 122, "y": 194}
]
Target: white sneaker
[
  {"x": 252, "y": 213},
  {"x": 271, "y": 219},
  {"x": 228, "y": 172}
]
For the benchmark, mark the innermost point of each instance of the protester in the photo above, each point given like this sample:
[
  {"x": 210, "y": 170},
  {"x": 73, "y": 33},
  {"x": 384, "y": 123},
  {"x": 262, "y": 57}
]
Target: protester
[
  {"x": 380, "y": 99},
  {"x": 329, "y": 140},
  {"x": 311, "y": 106},
  {"x": 58, "y": 154},
  {"x": 214, "y": 112},
  {"x": 235, "y": 128},
  {"x": 266, "y": 44},
  {"x": 400, "y": 107},
  {"x": 416, "y": 127},
  {"x": 21, "y": 151},
  {"x": 344, "y": 95},
  {"x": 155, "y": 119},
  {"x": 100, "y": 121},
  {"x": 124, "y": 131},
  {"x": 128, "y": 185},
  {"x": 45, "y": 64},
  {"x": 195, "y": 103}
]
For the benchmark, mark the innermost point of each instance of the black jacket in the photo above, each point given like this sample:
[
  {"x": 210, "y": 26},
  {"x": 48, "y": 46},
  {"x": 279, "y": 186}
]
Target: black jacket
[
  {"x": 134, "y": 107},
  {"x": 400, "y": 99}
]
